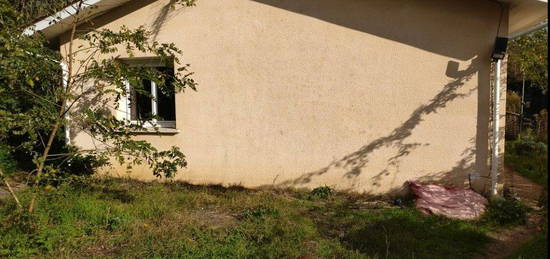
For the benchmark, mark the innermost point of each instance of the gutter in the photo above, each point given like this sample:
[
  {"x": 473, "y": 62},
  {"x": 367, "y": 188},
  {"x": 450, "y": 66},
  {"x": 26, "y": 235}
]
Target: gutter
[
  {"x": 66, "y": 13},
  {"x": 529, "y": 30}
]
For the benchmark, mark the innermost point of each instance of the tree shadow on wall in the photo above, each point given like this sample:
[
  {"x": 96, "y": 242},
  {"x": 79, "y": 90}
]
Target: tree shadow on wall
[
  {"x": 460, "y": 172},
  {"x": 353, "y": 163},
  {"x": 166, "y": 11}
]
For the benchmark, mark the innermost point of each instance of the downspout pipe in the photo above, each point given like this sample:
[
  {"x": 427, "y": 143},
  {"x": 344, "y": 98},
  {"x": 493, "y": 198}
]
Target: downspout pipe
[
  {"x": 65, "y": 79},
  {"x": 496, "y": 130},
  {"x": 496, "y": 113}
]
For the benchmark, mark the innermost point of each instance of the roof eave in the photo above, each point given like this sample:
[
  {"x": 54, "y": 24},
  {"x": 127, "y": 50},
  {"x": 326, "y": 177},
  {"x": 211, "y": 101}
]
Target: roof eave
[
  {"x": 61, "y": 21},
  {"x": 526, "y": 16}
]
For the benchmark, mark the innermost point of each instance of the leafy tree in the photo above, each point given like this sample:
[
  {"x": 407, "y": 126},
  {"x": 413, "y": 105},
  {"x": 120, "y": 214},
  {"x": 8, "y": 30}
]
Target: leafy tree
[
  {"x": 35, "y": 98},
  {"x": 33, "y": 9},
  {"x": 528, "y": 58},
  {"x": 513, "y": 102}
]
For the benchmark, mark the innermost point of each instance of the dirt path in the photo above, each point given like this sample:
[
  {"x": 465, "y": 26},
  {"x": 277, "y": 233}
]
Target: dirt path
[
  {"x": 527, "y": 190},
  {"x": 508, "y": 241}
]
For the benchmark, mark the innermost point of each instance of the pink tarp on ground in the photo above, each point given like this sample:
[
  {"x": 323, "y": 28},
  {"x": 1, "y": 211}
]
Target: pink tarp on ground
[{"x": 456, "y": 203}]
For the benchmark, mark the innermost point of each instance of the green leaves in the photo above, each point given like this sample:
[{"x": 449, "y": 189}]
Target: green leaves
[
  {"x": 505, "y": 212},
  {"x": 322, "y": 192},
  {"x": 166, "y": 163},
  {"x": 34, "y": 98},
  {"x": 528, "y": 56}
]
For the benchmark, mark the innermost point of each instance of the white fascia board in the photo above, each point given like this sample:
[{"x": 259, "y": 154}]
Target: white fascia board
[
  {"x": 526, "y": 16},
  {"x": 61, "y": 22},
  {"x": 60, "y": 16},
  {"x": 528, "y": 30}
]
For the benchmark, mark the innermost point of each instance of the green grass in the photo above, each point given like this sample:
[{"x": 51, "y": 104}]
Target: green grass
[
  {"x": 536, "y": 248},
  {"x": 532, "y": 164},
  {"x": 528, "y": 157},
  {"x": 122, "y": 218}
]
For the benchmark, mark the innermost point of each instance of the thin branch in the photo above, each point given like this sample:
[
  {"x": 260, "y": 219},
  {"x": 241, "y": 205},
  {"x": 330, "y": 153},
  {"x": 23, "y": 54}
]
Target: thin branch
[
  {"x": 40, "y": 97},
  {"x": 57, "y": 124},
  {"x": 41, "y": 140},
  {"x": 10, "y": 190},
  {"x": 85, "y": 62},
  {"x": 72, "y": 153}
]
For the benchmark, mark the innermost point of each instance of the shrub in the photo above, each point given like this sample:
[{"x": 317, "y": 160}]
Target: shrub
[
  {"x": 528, "y": 157},
  {"x": 529, "y": 144},
  {"x": 506, "y": 212},
  {"x": 322, "y": 192},
  {"x": 82, "y": 165},
  {"x": 7, "y": 163}
]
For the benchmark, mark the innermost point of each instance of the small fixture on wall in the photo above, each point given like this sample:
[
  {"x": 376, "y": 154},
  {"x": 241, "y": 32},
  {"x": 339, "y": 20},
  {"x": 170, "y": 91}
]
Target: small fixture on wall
[{"x": 501, "y": 44}]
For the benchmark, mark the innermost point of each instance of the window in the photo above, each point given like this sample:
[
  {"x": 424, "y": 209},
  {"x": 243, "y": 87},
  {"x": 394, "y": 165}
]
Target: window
[{"x": 151, "y": 104}]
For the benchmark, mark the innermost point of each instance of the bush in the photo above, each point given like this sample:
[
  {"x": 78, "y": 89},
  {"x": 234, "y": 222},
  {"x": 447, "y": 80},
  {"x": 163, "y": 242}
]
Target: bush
[
  {"x": 528, "y": 157},
  {"x": 506, "y": 212},
  {"x": 529, "y": 144},
  {"x": 7, "y": 163},
  {"x": 82, "y": 165},
  {"x": 322, "y": 192}
]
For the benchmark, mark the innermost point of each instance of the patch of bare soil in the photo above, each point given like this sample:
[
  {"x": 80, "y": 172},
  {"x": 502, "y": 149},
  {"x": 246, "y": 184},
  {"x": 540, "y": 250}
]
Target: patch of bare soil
[
  {"x": 508, "y": 241},
  {"x": 209, "y": 217},
  {"x": 528, "y": 191}
]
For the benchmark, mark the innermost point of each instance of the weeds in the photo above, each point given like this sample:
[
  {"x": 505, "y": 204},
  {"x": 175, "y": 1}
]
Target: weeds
[
  {"x": 323, "y": 193},
  {"x": 121, "y": 218},
  {"x": 506, "y": 212},
  {"x": 259, "y": 212},
  {"x": 536, "y": 248},
  {"x": 528, "y": 157}
]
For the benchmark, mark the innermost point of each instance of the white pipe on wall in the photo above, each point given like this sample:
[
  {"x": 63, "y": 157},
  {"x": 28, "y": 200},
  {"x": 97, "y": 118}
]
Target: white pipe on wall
[
  {"x": 496, "y": 131},
  {"x": 65, "y": 78}
]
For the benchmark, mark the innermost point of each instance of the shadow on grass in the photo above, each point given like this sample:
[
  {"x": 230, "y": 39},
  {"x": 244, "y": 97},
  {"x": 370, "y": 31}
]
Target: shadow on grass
[
  {"x": 117, "y": 194},
  {"x": 108, "y": 191},
  {"x": 418, "y": 237}
]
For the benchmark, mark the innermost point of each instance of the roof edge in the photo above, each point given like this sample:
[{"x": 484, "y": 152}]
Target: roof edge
[{"x": 61, "y": 21}]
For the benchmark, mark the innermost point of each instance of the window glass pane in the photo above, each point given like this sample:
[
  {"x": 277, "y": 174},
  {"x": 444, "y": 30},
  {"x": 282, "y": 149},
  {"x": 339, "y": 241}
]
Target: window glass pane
[
  {"x": 141, "y": 107},
  {"x": 166, "y": 101},
  {"x": 166, "y": 106}
]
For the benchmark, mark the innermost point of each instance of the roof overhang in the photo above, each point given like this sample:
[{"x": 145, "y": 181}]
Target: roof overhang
[
  {"x": 524, "y": 16},
  {"x": 53, "y": 26}
]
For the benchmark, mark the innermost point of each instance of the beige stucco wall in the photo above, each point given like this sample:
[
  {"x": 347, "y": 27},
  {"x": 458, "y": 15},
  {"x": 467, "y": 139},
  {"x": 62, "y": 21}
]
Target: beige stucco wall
[{"x": 359, "y": 95}]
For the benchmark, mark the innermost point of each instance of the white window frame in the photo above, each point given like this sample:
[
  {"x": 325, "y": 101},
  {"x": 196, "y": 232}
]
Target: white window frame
[
  {"x": 154, "y": 109},
  {"x": 126, "y": 112}
]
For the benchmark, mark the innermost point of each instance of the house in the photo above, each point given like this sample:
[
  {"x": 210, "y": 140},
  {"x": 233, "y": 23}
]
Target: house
[{"x": 360, "y": 95}]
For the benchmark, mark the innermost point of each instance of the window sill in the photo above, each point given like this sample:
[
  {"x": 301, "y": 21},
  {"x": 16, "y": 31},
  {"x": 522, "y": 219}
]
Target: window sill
[{"x": 158, "y": 131}]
